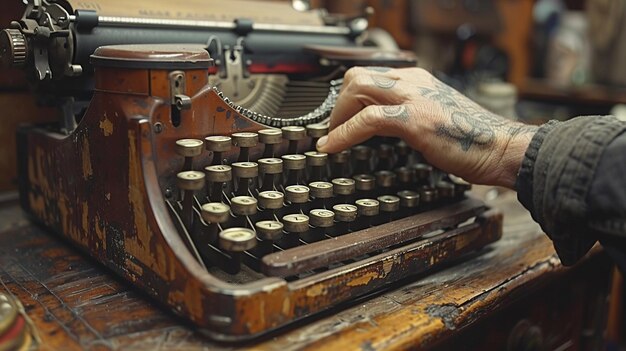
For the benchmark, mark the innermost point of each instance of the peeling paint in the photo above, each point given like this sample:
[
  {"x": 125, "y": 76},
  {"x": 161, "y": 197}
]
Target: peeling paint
[
  {"x": 316, "y": 290},
  {"x": 106, "y": 126},
  {"x": 364, "y": 279},
  {"x": 86, "y": 154}
]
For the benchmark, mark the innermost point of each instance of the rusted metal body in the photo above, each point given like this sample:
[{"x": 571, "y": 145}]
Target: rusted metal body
[{"x": 104, "y": 187}]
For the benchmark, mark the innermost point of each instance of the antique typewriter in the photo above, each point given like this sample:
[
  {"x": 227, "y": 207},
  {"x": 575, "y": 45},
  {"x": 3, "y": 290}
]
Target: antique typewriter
[{"x": 190, "y": 169}]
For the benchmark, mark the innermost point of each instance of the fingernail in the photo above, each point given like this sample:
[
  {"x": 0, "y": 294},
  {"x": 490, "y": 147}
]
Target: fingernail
[{"x": 322, "y": 141}]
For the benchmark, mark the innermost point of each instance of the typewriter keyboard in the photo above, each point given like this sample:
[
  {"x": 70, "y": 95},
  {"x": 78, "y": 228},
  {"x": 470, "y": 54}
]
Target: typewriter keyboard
[{"x": 291, "y": 214}]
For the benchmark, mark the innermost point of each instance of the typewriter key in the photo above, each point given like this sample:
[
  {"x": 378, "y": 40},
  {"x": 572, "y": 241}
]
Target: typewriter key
[
  {"x": 243, "y": 205},
  {"x": 316, "y": 131},
  {"x": 235, "y": 241},
  {"x": 408, "y": 198},
  {"x": 345, "y": 213},
  {"x": 189, "y": 148},
  {"x": 244, "y": 140},
  {"x": 294, "y": 164},
  {"x": 390, "y": 205},
  {"x": 297, "y": 195},
  {"x": 385, "y": 157},
  {"x": 189, "y": 181},
  {"x": 317, "y": 164},
  {"x": 428, "y": 195},
  {"x": 295, "y": 224},
  {"x": 271, "y": 200},
  {"x": 460, "y": 185},
  {"x": 270, "y": 168},
  {"x": 362, "y": 155},
  {"x": 405, "y": 177},
  {"x": 343, "y": 186},
  {"x": 218, "y": 145},
  {"x": 339, "y": 164},
  {"x": 402, "y": 151},
  {"x": 385, "y": 180},
  {"x": 423, "y": 173},
  {"x": 367, "y": 208},
  {"x": 218, "y": 175},
  {"x": 268, "y": 232},
  {"x": 270, "y": 137},
  {"x": 364, "y": 182},
  {"x": 244, "y": 172},
  {"x": 321, "y": 192},
  {"x": 445, "y": 189},
  {"x": 293, "y": 134},
  {"x": 322, "y": 220},
  {"x": 215, "y": 213}
]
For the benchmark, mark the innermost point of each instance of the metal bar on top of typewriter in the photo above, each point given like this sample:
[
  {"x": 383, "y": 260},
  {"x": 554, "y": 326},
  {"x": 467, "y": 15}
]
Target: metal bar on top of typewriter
[{"x": 326, "y": 252}]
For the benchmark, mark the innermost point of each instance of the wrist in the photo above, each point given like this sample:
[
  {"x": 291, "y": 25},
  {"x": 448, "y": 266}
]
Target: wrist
[{"x": 513, "y": 154}]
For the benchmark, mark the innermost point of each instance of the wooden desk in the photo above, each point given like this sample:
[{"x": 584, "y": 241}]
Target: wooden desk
[{"x": 474, "y": 304}]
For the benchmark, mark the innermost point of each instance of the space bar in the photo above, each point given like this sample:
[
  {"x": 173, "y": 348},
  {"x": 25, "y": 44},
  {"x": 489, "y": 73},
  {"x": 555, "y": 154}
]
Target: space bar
[{"x": 323, "y": 253}]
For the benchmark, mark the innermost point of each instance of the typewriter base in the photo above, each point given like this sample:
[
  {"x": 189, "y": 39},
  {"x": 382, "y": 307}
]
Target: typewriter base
[{"x": 75, "y": 304}]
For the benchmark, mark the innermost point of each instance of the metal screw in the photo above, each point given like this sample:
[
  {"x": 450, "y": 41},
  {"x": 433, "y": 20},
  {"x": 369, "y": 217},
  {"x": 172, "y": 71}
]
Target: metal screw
[{"x": 158, "y": 127}]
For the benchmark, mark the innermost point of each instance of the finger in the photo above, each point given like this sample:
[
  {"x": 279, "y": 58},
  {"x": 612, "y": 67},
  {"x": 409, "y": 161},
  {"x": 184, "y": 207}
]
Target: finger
[
  {"x": 371, "y": 121},
  {"x": 363, "y": 87}
]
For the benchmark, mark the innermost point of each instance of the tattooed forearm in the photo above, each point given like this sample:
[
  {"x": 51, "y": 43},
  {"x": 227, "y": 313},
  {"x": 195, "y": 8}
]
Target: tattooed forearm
[
  {"x": 383, "y": 82},
  {"x": 398, "y": 112},
  {"x": 520, "y": 129}
]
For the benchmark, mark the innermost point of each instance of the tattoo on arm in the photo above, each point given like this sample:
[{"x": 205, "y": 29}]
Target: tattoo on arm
[
  {"x": 467, "y": 131},
  {"x": 398, "y": 112}
]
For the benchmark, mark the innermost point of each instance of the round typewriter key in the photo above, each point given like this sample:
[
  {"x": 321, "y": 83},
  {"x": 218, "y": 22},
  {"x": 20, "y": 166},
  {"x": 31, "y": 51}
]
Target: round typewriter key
[
  {"x": 270, "y": 165},
  {"x": 343, "y": 186},
  {"x": 297, "y": 194},
  {"x": 189, "y": 147},
  {"x": 237, "y": 239},
  {"x": 428, "y": 194},
  {"x": 340, "y": 157},
  {"x": 294, "y": 161},
  {"x": 445, "y": 189},
  {"x": 269, "y": 230},
  {"x": 321, "y": 190},
  {"x": 270, "y": 136},
  {"x": 245, "y": 139},
  {"x": 345, "y": 212},
  {"x": 218, "y": 143},
  {"x": 364, "y": 182},
  {"x": 314, "y": 158},
  {"x": 389, "y": 203},
  {"x": 190, "y": 180},
  {"x": 404, "y": 175},
  {"x": 385, "y": 156},
  {"x": 321, "y": 218},
  {"x": 215, "y": 212},
  {"x": 294, "y": 132},
  {"x": 245, "y": 169},
  {"x": 460, "y": 185},
  {"x": 218, "y": 173},
  {"x": 243, "y": 205},
  {"x": 8, "y": 313},
  {"x": 296, "y": 223},
  {"x": 367, "y": 207},
  {"x": 385, "y": 179},
  {"x": 408, "y": 198},
  {"x": 271, "y": 200},
  {"x": 362, "y": 152},
  {"x": 317, "y": 130},
  {"x": 423, "y": 172}
]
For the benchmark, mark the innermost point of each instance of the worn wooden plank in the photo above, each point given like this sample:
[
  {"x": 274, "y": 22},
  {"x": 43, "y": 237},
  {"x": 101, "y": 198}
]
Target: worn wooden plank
[{"x": 75, "y": 304}]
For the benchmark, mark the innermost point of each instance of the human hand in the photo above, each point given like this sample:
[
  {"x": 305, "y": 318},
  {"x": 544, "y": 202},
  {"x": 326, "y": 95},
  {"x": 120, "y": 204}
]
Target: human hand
[{"x": 451, "y": 132}]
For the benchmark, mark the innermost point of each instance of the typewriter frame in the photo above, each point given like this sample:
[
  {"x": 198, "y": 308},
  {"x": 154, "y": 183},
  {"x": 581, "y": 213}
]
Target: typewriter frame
[{"x": 103, "y": 188}]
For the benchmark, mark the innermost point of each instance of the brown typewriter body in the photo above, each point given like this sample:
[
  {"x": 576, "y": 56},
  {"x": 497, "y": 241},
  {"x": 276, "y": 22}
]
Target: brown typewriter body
[{"x": 110, "y": 185}]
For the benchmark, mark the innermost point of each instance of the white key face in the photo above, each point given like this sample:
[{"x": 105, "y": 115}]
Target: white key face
[
  {"x": 216, "y": 207},
  {"x": 218, "y": 168},
  {"x": 270, "y": 132},
  {"x": 269, "y": 225},
  {"x": 366, "y": 202},
  {"x": 296, "y": 218},
  {"x": 189, "y": 143},
  {"x": 218, "y": 138},
  {"x": 322, "y": 213},
  {"x": 244, "y": 200},
  {"x": 345, "y": 208},
  {"x": 237, "y": 234},
  {"x": 298, "y": 189},
  {"x": 190, "y": 175},
  {"x": 271, "y": 194}
]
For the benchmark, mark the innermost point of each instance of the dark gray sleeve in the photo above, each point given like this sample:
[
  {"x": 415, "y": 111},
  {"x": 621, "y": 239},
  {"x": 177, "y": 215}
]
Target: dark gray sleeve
[{"x": 570, "y": 182}]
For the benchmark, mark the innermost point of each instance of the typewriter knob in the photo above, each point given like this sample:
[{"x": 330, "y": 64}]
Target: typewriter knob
[
  {"x": 345, "y": 212},
  {"x": 269, "y": 230},
  {"x": 297, "y": 194},
  {"x": 404, "y": 175},
  {"x": 271, "y": 200},
  {"x": 190, "y": 180},
  {"x": 237, "y": 239},
  {"x": 445, "y": 189},
  {"x": 385, "y": 179},
  {"x": 321, "y": 190},
  {"x": 218, "y": 173},
  {"x": 294, "y": 132},
  {"x": 428, "y": 194},
  {"x": 364, "y": 182},
  {"x": 460, "y": 185},
  {"x": 218, "y": 143},
  {"x": 243, "y": 205},
  {"x": 294, "y": 161},
  {"x": 322, "y": 218},
  {"x": 389, "y": 203},
  {"x": 270, "y": 136},
  {"x": 245, "y": 139},
  {"x": 296, "y": 223},
  {"x": 13, "y": 48},
  {"x": 317, "y": 130},
  {"x": 343, "y": 186},
  {"x": 215, "y": 212},
  {"x": 367, "y": 207},
  {"x": 316, "y": 159},
  {"x": 362, "y": 152},
  {"x": 270, "y": 165},
  {"x": 340, "y": 157},
  {"x": 423, "y": 172},
  {"x": 245, "y": 169},
  {"x": 189, "y": 147},
  {"x": 408, "y": 198}
]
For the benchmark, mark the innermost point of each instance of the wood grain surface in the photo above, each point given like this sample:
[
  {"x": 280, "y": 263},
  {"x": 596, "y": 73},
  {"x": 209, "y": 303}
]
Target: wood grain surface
[{"x": 76, "y": 304}]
